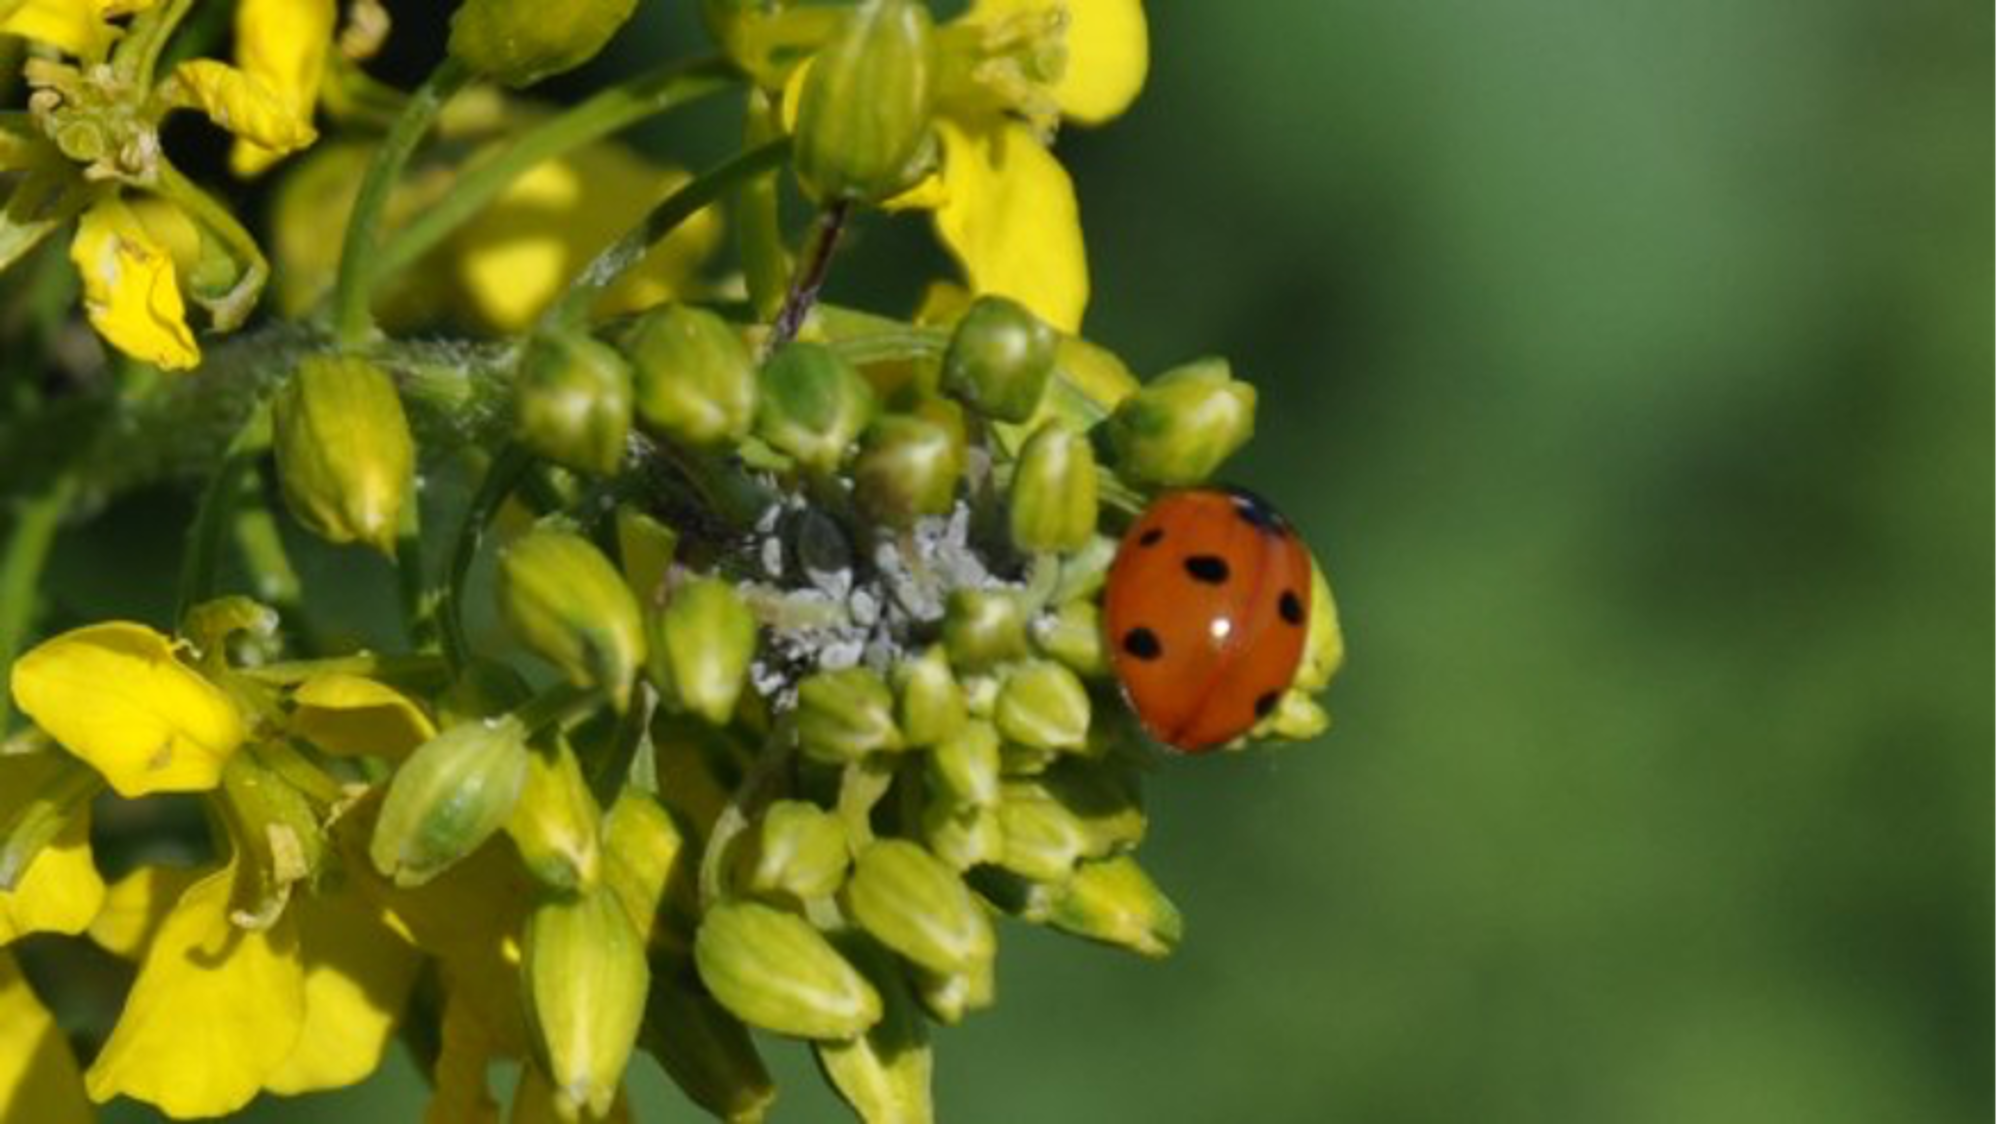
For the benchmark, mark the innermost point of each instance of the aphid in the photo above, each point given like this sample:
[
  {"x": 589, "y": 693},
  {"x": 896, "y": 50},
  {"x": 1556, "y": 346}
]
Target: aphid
[{"x": 1206, "y": 613}]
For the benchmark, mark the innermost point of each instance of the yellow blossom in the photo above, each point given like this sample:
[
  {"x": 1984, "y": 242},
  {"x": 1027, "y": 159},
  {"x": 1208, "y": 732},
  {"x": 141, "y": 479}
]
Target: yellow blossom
[
  {"x": 283, "y": 44},
  {"x": 349, "y": 715},
  {"x": 115, "y": 695},
  {"x": 76, "y": 27},
  {"x": 244, "y": 104},
  {"x": 129, "y": 287},
  {"x": 59, "y": 893},
  {"x": 38, "y": 1074}
]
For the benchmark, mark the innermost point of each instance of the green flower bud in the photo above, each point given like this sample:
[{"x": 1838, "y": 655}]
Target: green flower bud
[
  {"x": 950, "y": 996},
  {"x": 518, "y": 42},
  {"x": 699, "y": 765},
  {"x": 908, "y": 467},
  {"x": 962, "y": 835},
  {"x": 846, "y": 715},
  {"x": 885, "y": 1074},
  {"x": 774, "y": 970},
  {"x": 646, "y": 551},
  {"x": 344, "y": 451},
  {"x": 966, "y": 766},
  {"x": 1051, "y": 822},
  {"x": 1180, "y": 427},
  {"x": 574, "y": 402},
  {"x": 1074, "y": 636},
  {"x": 1000, "y": 359},
  {"x": 1043, "y": 706},
  {"x": 1115, "y": 901},
  {"x": 583, "y": 969},
  {"x": 984, "y": 627},
  {"x": 643, "y": 849},
  {"x": 452, "y": 794},
  {"x": 930, "y": 705},
  {"x": 706, "y": 1050},
  {"x": 864, "y": 124},
  {"x": 1325, "y": 649},
  {"x": 697, "y": 381},
  {"x": 1053, "y": 499},
  {"x": 702, "y": 646},
  {"x": 564, "y": 601},
  {"x": 814, "y": 404},
  {"x": 799, "y": 849},
  {"x": 913, "y": 903},
  {"x": 555, "y": 821}
]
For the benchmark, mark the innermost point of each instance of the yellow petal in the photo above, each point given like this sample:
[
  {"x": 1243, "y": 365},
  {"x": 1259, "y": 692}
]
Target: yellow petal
[
  {"x": 136, "y": 907},
  {"x": 358, "y": 973},
  {"x": 114, "y": 695},
  {"x": 129, "y": 288},
  {"x": 283, "y": 44},
  {"x": 60, "y": 891},
  {"x": 350, "y": 715},
  {"x": 75, "y": 27},
  {"x": 38, "y": 1076},
  {"x": 215, "y": 1010},
  {"x": 244, "y": 104},
  {"x": 1010, "y": 218},
  {"x": 1106, "y": 41}
]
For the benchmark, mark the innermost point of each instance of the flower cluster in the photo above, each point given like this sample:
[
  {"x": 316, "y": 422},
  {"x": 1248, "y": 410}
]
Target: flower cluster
[{"x": 792, "y": 684}]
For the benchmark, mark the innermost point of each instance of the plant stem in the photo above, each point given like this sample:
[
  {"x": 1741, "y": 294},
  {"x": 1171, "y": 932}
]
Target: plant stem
[
  {"x": 27, "y": 552},
  {"x": 140, "y": 50},
  {"x": 353, "y": 320},
  {"x": 760, "y": 244},
  {"x": 503, "y": 475},
  {"x": 201, "y": 563},
  {"x": 646, "y": 95},
  {"x": 231, "y": 309},
  {"x": 810, "y": 276},
  {"x": 605, "y": 269}
]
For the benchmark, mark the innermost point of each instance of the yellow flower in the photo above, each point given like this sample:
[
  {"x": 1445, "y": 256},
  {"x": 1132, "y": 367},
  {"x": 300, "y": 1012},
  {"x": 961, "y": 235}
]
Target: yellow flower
[
  {"x": 283, "y": 45},
  {"x": 129, "y": 287},
  {"x": 76, "y": 27},
  {"x": 1003, "y": 205},
  {"x": 220, "y": 1012},
  {"x": 38, "y": 1074},
  {"x": 349, "y": 716},
  {"x": 60, "y": 892},
  {"x": 115, "y": 695}
]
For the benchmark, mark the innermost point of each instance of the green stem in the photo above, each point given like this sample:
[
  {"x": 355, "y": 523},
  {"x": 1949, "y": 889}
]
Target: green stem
[
  {"x": 201, "y": 563},
  {"x": 760, "y": 242},
  {"x": 735, "y": 815},
  {"x": 231, "y": 309},
  {"x": 608, "y": 266},
  {"x": 139, "y": 51},
  {"x": 646, "y": 95},
  {"x": 420, "y": 602},
  {"x": 27, "y": 551},
  {"x": 352, "y": 318},
  {"x": 502, "y": 477},
  {"x": 898, "y": 345},
  {"x": 810, "y": 275}
]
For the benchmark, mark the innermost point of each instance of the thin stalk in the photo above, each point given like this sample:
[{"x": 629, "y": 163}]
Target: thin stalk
[
  {"x": 631, "y": 101},
  {"x": 138, "y": 53},
  {"x": 760, "y": 243},
  {"x": 810, "y": 276},
  {"x": 353, "y": 320},
  {"x": 231, "y": 309},
  {"x": 201, "y": 562},
  {"x": 26, "y": 553},
  {"x": 705, "y": 189},
  {"x": 503, "y": 475}
]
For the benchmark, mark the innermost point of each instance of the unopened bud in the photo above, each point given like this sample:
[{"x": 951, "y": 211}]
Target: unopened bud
[
  {"x": 885, "y": 1074},
  {"x": 984, "y": 627},
  {"x": 962, "y": 835},
  {"x": 774, "y": 970},
  {"x": 864, "y": 124},
  {"x": 1073, "y": 813},
  {"x": 1044, "y": 706},
  {"x": 519, "y": 42},
  {"x": 555, "y": 822},
  {"x": 930, "y": 705},
  {"x": 1000, "y": 359},
  {"x": 1179, "y": 428},
  {"x": 574, "y": 402},
  {"x": 1053, "y": 499},
  {"x": 451, "y": 795},
  {"x": 1114, "y": 900},
  {"x": 344, "y": 451},
  {"x": 799, "y": 849},
  {"x": 846, "y": 715},
  {"x": 642, "y": 857},
  {"x": 966, "y": 766},
  {"x": 707, "y": 1051},
  {"x": 915, "y": 904},
  {"x": 583, "y": 969},
  {"x": 703, "y": 642},
  {"x": 950, "y": 996},
  {"x": 646, "y": 552},
  {"x": 566, "y": 602},
  {"x": 697, "y": 381},
  {"x": 813, "y": 405},
  {"x": 1074, "y": 636},
  {"x": 908, "y": 467}
]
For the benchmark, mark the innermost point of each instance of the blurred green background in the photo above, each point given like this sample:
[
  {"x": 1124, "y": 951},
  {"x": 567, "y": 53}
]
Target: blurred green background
[{"x": 1629, "y": 365}]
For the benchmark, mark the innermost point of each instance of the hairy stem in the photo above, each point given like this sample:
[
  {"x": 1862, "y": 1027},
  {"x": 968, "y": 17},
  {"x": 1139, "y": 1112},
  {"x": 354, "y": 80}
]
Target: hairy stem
[{"x": 811, "y": 275}]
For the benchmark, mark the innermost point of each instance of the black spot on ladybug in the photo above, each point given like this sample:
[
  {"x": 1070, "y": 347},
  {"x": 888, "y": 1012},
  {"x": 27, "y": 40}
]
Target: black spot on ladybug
[
  {"x": 1252, "y": 509},
  {"x": 1291, "y": 608},
  {"x": 1152, "y": 537},
  {"x": 1266, "y": 703},
  {"x": 1141, "y": 643},
  {"x": 1208, "y": 569}
]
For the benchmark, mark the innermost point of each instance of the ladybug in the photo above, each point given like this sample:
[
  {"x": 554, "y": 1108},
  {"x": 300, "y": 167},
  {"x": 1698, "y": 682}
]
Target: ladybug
[{"x": 1205, "y": 614}]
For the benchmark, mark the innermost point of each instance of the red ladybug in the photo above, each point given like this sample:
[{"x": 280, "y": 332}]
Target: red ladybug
[{"x": 1206, "y": 613}]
